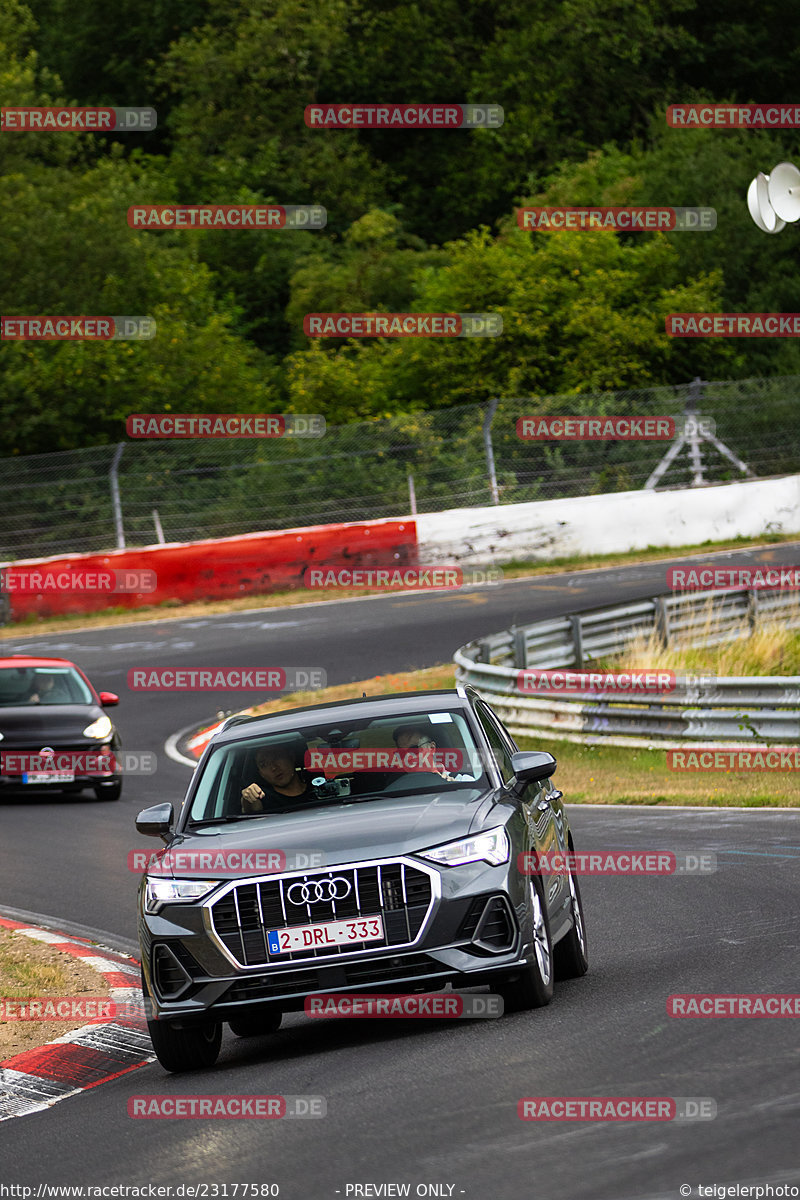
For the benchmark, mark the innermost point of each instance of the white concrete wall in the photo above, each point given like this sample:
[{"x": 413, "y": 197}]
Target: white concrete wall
[{"x": 609, "y": 524}]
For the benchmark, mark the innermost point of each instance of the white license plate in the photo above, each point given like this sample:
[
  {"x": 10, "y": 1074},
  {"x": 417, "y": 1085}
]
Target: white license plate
[
  {"x": 327, "y": 933},
  {"x": 48, "y": 777}
]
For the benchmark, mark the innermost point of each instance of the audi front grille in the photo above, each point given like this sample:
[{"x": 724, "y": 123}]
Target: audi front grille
[{"x": 400, "y": 891}]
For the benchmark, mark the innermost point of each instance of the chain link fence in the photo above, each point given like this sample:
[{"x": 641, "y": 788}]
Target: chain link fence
[{"x": 425, "y": 461}]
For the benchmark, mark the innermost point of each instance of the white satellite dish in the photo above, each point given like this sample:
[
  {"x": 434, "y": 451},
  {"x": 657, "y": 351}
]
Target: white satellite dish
[
  {"x": 783, "y": 188},
  {"x": 758, "y": 202}
]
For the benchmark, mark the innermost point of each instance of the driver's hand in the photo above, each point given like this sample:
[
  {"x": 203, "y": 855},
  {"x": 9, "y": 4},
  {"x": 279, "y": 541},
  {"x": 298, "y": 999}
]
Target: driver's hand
[{"x": 251, "y": 798}]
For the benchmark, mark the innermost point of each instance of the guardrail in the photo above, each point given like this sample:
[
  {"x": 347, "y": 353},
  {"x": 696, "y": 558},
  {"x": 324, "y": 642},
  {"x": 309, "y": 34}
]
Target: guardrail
[{"x": 715, "y": 711}]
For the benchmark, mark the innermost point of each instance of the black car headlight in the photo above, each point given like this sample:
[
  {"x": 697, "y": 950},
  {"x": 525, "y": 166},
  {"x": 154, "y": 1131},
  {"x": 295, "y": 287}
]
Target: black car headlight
[{"x": 491, "y": 846}]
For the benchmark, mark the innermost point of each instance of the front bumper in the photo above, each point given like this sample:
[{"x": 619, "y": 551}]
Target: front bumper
[
  {"x": 82, "y": 779},
  {"x": 471, "y": 935}
]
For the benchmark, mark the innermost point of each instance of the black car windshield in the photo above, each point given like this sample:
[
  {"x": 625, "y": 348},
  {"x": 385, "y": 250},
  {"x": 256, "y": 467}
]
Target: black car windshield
[
  {"x": 42, "y": 685},
  {"x": 355, "y": 762}
]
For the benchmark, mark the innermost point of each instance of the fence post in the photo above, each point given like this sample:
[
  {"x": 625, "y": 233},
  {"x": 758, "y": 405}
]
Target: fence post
[
  {"x": 115, "y": 500},
  {"x": 577, "y": 641},
  {"x": 412, "y": 496},
  {"x": 159, "y": 527},
  {"x": 487, "y": 441}
]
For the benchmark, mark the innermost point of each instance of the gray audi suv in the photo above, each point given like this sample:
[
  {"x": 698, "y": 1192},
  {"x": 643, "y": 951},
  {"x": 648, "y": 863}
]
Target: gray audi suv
[{"x": 388, "y": 844}]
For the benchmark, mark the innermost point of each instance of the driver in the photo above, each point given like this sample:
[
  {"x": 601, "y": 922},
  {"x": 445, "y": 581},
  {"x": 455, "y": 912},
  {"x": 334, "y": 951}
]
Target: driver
[
  {"x": 50, "y": 689},
  {"x": 280, "y": 782}
]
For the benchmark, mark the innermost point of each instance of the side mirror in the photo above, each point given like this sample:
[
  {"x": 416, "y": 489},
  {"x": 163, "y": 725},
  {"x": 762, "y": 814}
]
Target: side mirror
[
  {"x": 109, "y": 699},
  {"x": 532, "y": 766},
  {"x": 156, "y": 822}
]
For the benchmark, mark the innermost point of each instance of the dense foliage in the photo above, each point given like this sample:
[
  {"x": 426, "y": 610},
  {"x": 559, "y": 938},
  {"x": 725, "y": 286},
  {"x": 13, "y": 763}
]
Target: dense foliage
[{"x": 417, "y": 221}]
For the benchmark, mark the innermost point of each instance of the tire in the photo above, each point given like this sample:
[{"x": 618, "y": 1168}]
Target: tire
[
  {"x": 571, "y": 954},
  {"x": 188, "y": 1049},
  {"x": 256, "y": 1024},
  {"x": 534, "y": 986},
  {"x": 109, "y": 792}
]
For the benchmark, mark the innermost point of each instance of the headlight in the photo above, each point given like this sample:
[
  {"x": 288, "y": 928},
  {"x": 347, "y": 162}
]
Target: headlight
[
  {"x": 492, "y": 846},
  {"x": 101, "y": 728},
  {"x": 166, "y": 891}
]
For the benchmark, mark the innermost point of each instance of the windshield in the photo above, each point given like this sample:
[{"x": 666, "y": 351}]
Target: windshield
[
  {"x": 356, "y": 762},
  {"x": 42, "y": 685}
]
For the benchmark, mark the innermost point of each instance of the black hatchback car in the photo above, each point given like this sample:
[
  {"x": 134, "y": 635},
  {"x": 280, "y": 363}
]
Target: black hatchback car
[
  {"x": 55, "y": 736},
  {"x": 376, "y": 845}
]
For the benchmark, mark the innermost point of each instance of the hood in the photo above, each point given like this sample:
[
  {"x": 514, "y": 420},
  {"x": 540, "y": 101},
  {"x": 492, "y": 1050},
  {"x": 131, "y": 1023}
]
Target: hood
[
  {"x": 345, "y": 833},
  {"x": 38, "y": 725}
]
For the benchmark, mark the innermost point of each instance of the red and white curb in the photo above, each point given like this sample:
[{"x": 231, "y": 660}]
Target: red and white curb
[{"x": 86, "y": 1057}]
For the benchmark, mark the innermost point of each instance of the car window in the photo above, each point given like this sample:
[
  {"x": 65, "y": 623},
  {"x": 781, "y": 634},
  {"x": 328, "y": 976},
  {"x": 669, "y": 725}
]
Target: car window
[
  {"x": 42, "y": 685},
  {"x": 405, "y": 754},
  {"x": 501, "y": 752}
]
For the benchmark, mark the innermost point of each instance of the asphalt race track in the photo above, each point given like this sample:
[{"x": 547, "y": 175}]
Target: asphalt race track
[{"x": 427, "y": 1102}]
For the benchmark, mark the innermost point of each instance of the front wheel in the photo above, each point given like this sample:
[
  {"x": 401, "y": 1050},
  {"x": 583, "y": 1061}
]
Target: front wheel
[
  {"x": 534, "y": 987},
  {"x": 571, "y": 955},
  {"x": 109, "y": 791},
  {"x": 188, "y": 1049}
]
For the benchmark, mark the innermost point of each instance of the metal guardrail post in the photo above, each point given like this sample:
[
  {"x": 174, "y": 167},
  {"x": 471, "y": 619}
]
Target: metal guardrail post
[
  {"x": 577, "y": 641},
  {"x": 662, "y": 620},
  {"x": 520, "y": 647},
  {"x": 752, "y": 608}
]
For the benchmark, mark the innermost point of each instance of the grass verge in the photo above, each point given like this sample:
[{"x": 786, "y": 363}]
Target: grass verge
[{"x": 30, "y": 969}]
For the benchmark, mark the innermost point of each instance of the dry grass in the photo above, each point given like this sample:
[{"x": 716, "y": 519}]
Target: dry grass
[
  {"x": 432, "y": 679},
  {"x": 30, "y": 969},
  {"x": 771, "y": 649}
]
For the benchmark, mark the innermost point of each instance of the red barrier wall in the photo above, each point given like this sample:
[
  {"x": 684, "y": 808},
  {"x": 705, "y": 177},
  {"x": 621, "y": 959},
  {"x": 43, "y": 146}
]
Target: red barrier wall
[{"x": 222, "y": 568}]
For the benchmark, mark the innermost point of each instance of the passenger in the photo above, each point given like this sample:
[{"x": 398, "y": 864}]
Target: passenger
[
  {"x": 412, "y": 737},
  {"x": 281, "y": 782}
]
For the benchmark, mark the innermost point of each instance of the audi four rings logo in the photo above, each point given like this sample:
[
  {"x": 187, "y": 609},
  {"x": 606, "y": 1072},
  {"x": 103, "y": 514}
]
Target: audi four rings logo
[{"x": 319, "y": 889}]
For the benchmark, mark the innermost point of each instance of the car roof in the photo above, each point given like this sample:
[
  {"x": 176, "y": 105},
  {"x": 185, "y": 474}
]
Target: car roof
[
  {"x": 25, "y": 660},
  {"x": 370, "y": 708}
]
